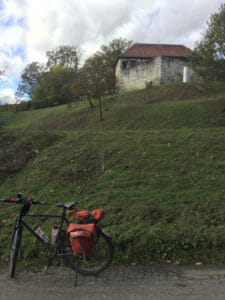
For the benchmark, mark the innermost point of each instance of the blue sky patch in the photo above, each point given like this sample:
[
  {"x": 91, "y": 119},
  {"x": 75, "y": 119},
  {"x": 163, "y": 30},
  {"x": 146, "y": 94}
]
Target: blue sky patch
[
  {"x": 19, "y": 51},
  {"x": 7, "y": 22},
  {"x": 11, "y": 21},
  {"x": 12, "y": 52},
  {"x": 12, "y": 84},
  {"x": 1, "y": 4}
]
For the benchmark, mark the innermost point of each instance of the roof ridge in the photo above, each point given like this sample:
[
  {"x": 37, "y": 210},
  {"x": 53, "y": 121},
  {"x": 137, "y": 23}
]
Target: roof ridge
[{"x": 159, "y": 44}]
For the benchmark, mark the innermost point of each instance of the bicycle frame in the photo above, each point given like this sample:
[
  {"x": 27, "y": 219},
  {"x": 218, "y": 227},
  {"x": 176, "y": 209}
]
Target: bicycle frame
[{"x": 22, "y": 223}]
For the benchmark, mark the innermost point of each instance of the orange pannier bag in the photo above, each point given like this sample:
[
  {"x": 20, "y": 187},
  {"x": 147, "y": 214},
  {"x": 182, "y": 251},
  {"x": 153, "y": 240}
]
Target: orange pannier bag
[
  {"x": 97, "y": 214},
  {"x": 83, "y": 214},
  {"x": 90, "y": 217},
  {"x": 82, "y": 238}
]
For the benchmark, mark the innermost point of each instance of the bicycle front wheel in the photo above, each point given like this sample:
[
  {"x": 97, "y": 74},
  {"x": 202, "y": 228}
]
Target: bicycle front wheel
[
  {"x": 95, "y": 263},
  {"x": 14, "y": 250}
]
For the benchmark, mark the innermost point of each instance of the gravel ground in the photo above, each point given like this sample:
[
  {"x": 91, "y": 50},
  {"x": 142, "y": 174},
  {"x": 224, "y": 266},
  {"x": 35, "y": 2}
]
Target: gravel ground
[{"x": 117, "y": 282}]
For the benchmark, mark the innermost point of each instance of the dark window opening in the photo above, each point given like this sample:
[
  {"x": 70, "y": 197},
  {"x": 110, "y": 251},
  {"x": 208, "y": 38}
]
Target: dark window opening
[
  {"x": 133, "y": 62},
  {"x": 124, "y": 64}
]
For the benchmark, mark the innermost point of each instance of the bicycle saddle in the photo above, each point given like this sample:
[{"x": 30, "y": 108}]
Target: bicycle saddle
[{"x": 68, "y": 205}]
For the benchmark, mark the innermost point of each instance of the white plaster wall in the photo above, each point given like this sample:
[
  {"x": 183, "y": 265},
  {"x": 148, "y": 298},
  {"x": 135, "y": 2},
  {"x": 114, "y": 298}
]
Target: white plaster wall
[
  {"x": 158, "y": 70},
  {"x": 136, "y": 77}
]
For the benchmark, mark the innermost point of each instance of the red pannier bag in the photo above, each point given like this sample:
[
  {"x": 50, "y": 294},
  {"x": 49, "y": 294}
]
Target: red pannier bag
[
  {"x": 82, "y": 237},
  {"x": 83, "y": 215},
  {"x": 97, "y": 214},
  {"x": 87, "y": 216}
]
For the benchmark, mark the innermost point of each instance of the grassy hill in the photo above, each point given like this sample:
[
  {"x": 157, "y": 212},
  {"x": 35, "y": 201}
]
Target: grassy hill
[{"x": 156, "y": 164}]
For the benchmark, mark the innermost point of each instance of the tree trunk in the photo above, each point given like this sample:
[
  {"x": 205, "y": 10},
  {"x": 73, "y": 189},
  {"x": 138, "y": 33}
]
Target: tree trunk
[
  {"x": 100, "y": 108},
  {"x": 90, "y": 102}
]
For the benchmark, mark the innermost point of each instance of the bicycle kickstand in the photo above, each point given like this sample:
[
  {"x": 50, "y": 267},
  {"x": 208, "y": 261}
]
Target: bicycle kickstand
[
  {"x": 76, "y": 275},
  {"x": 45, "y": 268},
  {"x": 49, "y": 263}
]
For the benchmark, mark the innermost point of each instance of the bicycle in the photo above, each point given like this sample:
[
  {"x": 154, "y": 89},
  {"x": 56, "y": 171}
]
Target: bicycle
[{"x": 94, "y": 263}]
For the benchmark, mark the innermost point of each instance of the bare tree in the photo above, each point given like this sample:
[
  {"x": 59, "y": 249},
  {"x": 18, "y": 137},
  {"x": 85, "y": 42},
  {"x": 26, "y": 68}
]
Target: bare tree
[{"x": 18, "y": 99}]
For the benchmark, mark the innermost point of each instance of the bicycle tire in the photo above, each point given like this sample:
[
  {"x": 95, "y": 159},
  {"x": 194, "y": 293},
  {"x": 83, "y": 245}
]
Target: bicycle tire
[
  {"x": 100, "y": 259},
  {"x": 14, "y": 250}
]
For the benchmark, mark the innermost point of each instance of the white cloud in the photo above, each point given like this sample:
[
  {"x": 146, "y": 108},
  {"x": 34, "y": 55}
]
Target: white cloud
[
  {"x": 38, "y": 26},
  {"x": 11, "y": 36},
  {"x": 7, "y": 96},
  {"x": 90, "y": 23},
  {"x": 181, "y": 22},
  {"x": 10, "y": 62}
]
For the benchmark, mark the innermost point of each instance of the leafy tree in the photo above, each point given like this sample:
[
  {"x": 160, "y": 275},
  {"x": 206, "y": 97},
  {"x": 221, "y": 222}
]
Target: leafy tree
[
  {"x": 49, "y": 84},
  {"x": 61, "y": 70},
  {"x": 110, "y": 54},
  {"x": 208, "y": 59},
  {"x": 65, "y": 56},
  {"x": 53, "y": 88},
  {"x": 95, "y": 78},
  {"x": 30, "y": 78},
  {"x": 80, "y": 87}
]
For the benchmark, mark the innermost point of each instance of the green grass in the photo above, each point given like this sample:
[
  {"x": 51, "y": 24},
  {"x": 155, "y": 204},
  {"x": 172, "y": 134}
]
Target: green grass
[
  {"x": 161, "y": 107},
  {"x": 158, "y": 170},
  {"x": 17, "y": 120}
]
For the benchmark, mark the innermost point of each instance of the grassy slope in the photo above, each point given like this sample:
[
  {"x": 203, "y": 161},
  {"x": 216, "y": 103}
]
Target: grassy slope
[{"x": 156, "y": 166}]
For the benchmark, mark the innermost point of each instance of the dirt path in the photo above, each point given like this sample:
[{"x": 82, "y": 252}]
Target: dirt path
[{"x": 123, "y": 282}]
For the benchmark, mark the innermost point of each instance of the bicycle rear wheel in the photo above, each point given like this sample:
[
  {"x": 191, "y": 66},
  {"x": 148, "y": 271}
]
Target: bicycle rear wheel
[
  {"x": 14, "y": 249},
  {"x": 98, "y": 261}
]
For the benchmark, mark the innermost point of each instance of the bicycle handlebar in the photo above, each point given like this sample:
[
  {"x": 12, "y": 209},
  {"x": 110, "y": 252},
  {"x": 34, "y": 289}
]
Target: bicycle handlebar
[
  {"x": 37, "y": 202},
  {"x": 12, "y": 200},
  {"x": 20, "y": 201}
]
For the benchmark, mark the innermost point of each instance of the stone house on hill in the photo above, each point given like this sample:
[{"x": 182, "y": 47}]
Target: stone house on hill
[{"x": 144, "y": 64}]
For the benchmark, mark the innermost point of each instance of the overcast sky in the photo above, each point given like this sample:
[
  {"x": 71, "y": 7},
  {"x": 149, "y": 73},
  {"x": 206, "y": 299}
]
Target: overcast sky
[{"x": 28, "y": 28}]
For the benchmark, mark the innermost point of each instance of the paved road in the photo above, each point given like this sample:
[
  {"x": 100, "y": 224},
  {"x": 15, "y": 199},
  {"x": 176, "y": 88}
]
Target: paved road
[{"x": 123, "y": 282}]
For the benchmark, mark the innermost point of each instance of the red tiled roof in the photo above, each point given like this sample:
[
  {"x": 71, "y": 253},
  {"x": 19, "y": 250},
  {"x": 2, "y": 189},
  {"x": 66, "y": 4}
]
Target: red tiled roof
[{"x": 153, "y": 50}]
